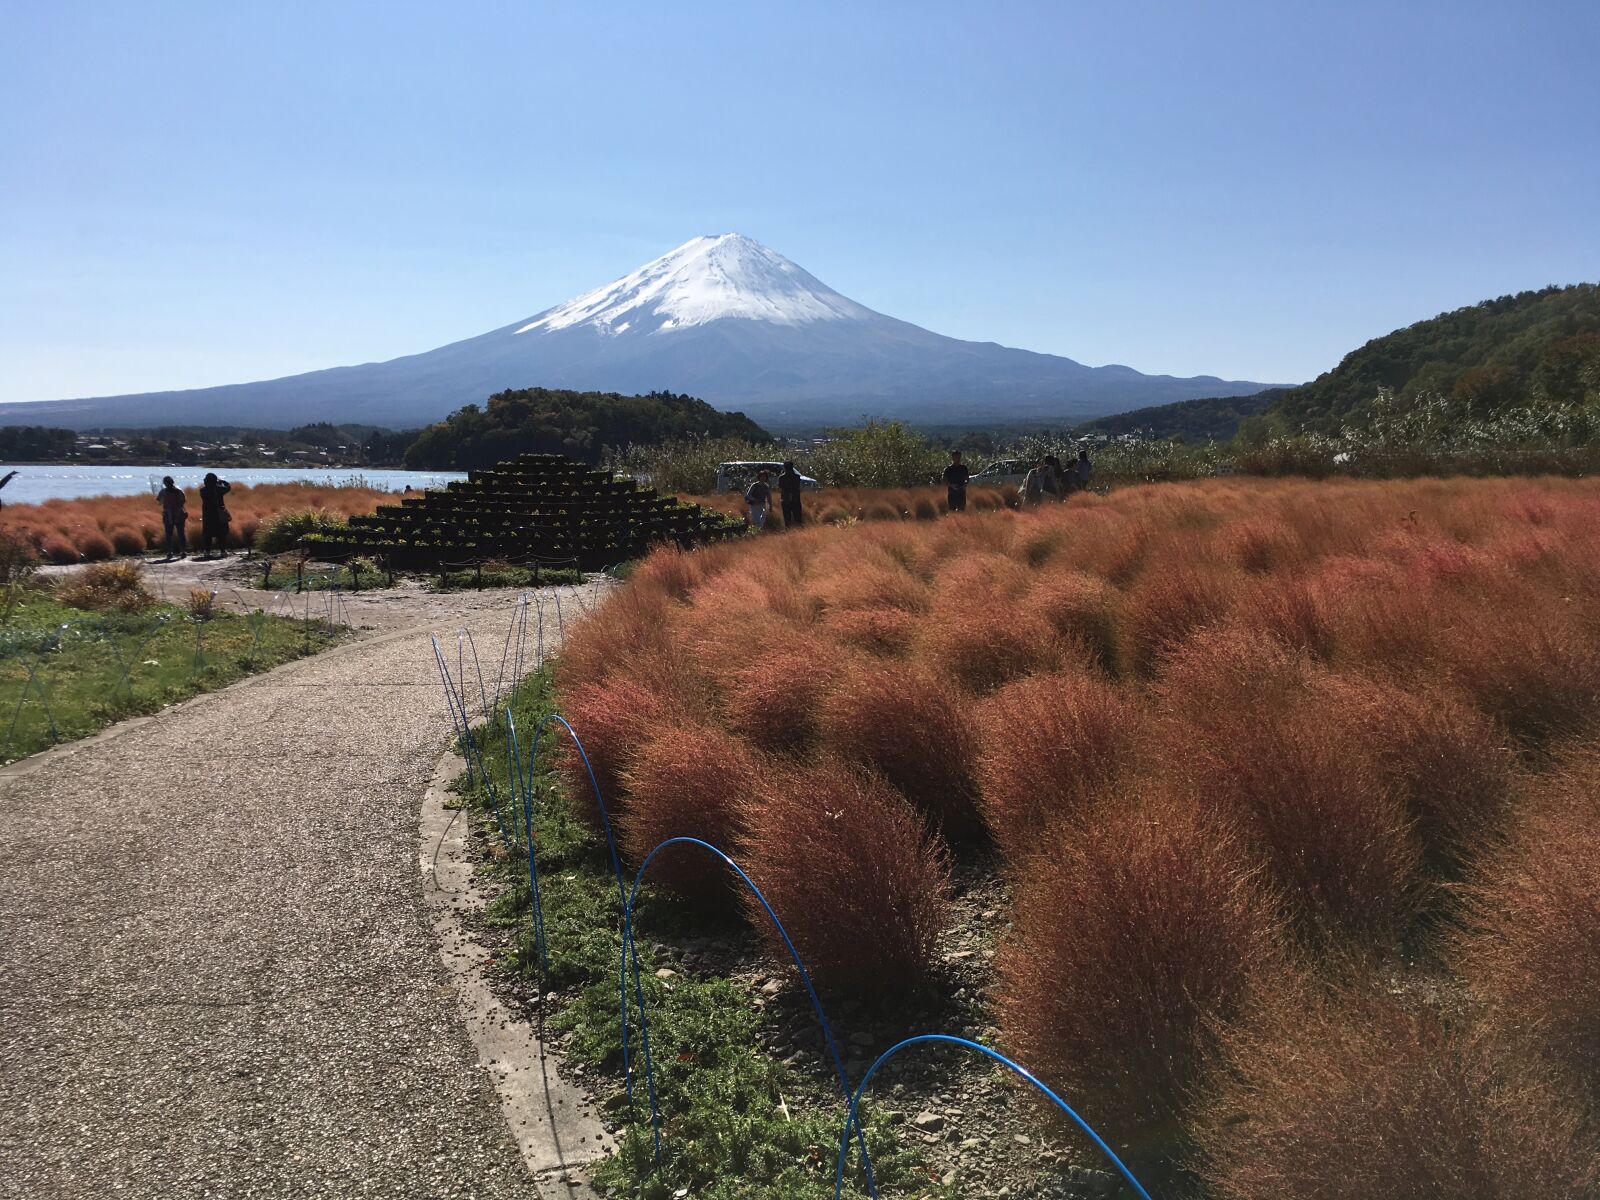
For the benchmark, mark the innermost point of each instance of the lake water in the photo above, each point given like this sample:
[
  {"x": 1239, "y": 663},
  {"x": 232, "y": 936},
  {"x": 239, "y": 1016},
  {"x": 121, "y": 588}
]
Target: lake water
[{"x": 36, "y": 483}]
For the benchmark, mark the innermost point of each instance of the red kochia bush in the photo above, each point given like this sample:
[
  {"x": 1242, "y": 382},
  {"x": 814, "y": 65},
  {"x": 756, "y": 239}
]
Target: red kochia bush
[
  {"x": 688, "y": 781},
  {"x": 127, "y": 541},
  {"x": 1527, "y": 660},
  {"x": 630, "y": 627},
  {"x": 981, "y": 641},
  {"x": 1052, "y": 745},
  {"x": 883, "y": 631},
  {"x": 611, "y": 719},
  {"x": 95, "y": 546},
  {"x": 1131, "y": 933},
  {"x": 776, "y": 701},
  {"x": 911, "y": 726},
  {"x": 58, "y": 549},
  {"x": 1355, "y": 1096},
  {"x": 855, "y": 875},
  {"x": 1080, "y": 607},
  {"x": 1534, "y": 949},
  {"x": 1444, "y": 761},
  {"x": 1244, "y": 731},
  {"x": 1164, "y": 606}
]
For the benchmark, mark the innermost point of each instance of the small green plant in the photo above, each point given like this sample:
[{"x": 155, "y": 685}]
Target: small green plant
[{"x": 286, "y": 530}]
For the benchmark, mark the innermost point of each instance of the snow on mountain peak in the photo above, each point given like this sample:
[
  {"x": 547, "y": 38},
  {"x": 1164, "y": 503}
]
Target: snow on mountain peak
[{"x": 705, "y": 279}]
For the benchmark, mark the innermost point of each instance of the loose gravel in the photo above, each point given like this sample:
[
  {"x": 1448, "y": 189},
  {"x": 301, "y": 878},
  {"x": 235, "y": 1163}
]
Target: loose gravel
[{"x": 218, "y": 976}]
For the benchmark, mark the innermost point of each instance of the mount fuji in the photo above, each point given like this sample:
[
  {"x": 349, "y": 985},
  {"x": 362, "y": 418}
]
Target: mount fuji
[{"x": 723, "y": 318}]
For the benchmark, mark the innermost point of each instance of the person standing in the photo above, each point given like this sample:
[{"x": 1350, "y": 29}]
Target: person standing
[
  {"x": 214, "y": 516},
  {"x": 1033, "y": 483},
  {"x": 10, "y": 475},
  {"x": 174, "y": 518},
  {"x": 789, "y": 494},
  {"x": 955, "y": 482},
  {"x": 758, "y": 496},
  {"x": 1084, "y": 468},
  {"x": 1055, "y": 483}
]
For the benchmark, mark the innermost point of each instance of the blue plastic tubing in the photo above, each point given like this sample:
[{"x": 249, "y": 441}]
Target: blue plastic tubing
[
  {"x": 522, "y": 784},
  {"x": 605, "y": 817},
  {"x": 644, "y": 1023},
  {"x": 851, "y": 1120},
  {"x": 462, "y": 723}
]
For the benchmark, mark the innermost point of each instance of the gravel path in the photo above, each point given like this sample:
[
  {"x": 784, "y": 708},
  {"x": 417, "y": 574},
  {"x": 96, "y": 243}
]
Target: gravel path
[{"x": 217, "y": 976}]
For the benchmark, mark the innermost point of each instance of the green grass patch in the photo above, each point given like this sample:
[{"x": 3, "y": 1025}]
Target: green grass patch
[
  {"x": 492, "y": 574},
  {"x": 91, "y": 669},
  {"x": 736, "y": 1121}
]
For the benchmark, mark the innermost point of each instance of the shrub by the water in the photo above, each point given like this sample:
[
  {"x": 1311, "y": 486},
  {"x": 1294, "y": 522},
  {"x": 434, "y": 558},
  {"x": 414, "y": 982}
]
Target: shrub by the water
[
  {"x": 856, "y": 876},
  {"x": 285, "y": 530}
]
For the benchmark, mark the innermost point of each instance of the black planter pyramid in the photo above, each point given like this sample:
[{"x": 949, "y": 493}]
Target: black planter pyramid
[{"x": 535, "y": 508}]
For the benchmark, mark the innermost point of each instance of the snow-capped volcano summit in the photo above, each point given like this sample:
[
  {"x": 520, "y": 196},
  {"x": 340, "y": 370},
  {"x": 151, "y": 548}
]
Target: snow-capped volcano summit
[
  {"x": 723, "y": 318},
  {"x": 705, "y": 279}
]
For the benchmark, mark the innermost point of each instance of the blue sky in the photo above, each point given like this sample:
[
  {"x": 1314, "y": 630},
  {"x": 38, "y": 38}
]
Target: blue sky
[{"x": 205, "y": 193}]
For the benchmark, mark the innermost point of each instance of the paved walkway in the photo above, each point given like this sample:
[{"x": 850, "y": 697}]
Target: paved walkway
[{"x": 217, "y": 974}]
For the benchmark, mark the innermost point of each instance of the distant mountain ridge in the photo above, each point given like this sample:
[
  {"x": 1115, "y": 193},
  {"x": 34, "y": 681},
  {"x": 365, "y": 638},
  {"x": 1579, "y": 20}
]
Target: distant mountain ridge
[
  {"x": 1540, "y": 347},
  {"x": 1535, "y": 349},
  {"x": 723, "y": 318}
]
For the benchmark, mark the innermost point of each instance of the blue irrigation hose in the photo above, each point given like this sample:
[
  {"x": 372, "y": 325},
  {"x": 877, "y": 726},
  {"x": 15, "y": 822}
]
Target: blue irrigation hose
[
  {"x": 605, "y": 818},
  {"x": 644, "y": 1023},
  {"x": 465, "y": 634},
  {"x": 852, "y": 1121},
  {"x": 463, "y": 725},
  {"x": 526, "y": 788}
]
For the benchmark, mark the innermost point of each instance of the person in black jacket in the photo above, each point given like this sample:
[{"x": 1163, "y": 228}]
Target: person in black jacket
[
  {"x": 789, "y": 493},
  {"x": 955, "y": 482},
  {"x": 214, "y": 516}
]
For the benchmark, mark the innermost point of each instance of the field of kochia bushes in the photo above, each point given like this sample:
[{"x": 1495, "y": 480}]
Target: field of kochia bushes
[
  {"x": 1289, "y": 782},
  {"x": 102, "y": 527},
  {"x": 845, "y": 506}
]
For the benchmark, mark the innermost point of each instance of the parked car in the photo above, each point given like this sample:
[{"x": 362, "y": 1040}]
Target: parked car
[
  {"x": 737, "y": 476},
  {"x": 1002, "y": 470}
]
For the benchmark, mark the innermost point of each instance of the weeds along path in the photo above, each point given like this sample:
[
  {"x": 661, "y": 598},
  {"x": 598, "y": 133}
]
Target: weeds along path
[{"x": 218, "y": 976}]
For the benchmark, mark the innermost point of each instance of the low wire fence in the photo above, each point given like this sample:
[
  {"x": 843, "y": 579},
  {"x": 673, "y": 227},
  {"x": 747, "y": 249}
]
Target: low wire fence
[{"x": 470, "y": 698}]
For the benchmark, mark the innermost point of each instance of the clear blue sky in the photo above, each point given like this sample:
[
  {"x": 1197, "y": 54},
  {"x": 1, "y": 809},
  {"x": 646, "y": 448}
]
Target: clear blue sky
[{"x": 207, "y": 193}]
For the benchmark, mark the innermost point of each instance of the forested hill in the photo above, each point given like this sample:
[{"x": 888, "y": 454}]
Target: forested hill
[
  {"x": 579, "y": 424},
  {"x": 1215, "y": 418},
  {"x": 1539, "y": 349}
]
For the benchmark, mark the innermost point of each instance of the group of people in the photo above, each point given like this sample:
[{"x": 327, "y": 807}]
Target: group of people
[
  {"x": 214, "y": 516},
  {"x": 758, "y": 497},
  {"x": 1048, "y": 477}
]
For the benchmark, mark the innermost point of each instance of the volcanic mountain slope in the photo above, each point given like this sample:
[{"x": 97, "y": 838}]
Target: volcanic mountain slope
[{"x": 724, "y": 318}]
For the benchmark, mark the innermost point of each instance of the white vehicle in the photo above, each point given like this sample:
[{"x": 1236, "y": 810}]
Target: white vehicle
[
  {"x": 1002, "y": 470},
  {"x": 737, "y": 476}
]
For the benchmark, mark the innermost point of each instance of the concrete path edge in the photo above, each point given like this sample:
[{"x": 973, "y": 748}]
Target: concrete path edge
[{"x": 551, "y": 1120}]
